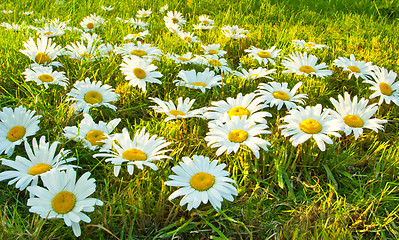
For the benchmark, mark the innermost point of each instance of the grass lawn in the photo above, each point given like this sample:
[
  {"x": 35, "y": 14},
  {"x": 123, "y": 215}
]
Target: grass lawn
[{"x": 348, "y": 191}]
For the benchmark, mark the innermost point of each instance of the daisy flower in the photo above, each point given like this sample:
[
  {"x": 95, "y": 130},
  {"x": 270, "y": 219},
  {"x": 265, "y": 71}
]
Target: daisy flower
[
  {"x": 278, "y": 94},
  {"x": 140, "y": 50},
  {"x": 164, "y": 8},
  {"x": 137, "y": 23},
  {"x": 229, "y": 136},
  {"x": 27, "y": 13},
  {"x": 143, "y": 13},
  {"x": 15, "y": 126},
  {"x": 52, "y": 29},
  {"x": 304, "y": 65},
  {"x": 82, "y": 51},
  {"x": 172, "y": 27},
  {"x": 93, "y": 135},
  {"x": 310, "y": 122},
  {"x": 41, "y": 160},
  {"x": 175, "y": 17},
  {"x": 43, "y": 53},
  {"x": 384, "y": 85},
  {"x": 188, "y": 38},
  {"x": 13, "y": 26},
  {"x": 201, "y": 80},
  {"x": 218, "y": 64},
  {"x": 181, "y": 59},
  {"x": 107, "y": 50},
  {"x": 201, "y": 181},
  {"x": 264, "y": 56},
  {"x": 64, "y": 198},
  {"x": 89, "y": 94},
  {"x": 356, "y": 68},
  {"x": 92, "y": 22},
  {"x": 234, "y": 32},
  {"x": 143, "y": 150},
  {"x": 45, "y": 76},
  {"x": 109, "y": 8},
  {"x": 140, "y": 71},
  {"x": 137, "y": 36},
  {"x": 308, "y": 45},
  {"x": 253, "y": 74},
  {"x": 204, "y": 19},
  {"x": 181, "y": 111},
  {"x": 213, "y": 49},
  {"x": 248, "y": 106},
  {"x": 202, "y": 27},
  {"x": 354, "y": 115}
]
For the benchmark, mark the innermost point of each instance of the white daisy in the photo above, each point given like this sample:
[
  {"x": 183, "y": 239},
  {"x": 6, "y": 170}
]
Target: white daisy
[
  {"x": 143, "y": 13},
  {"x": 253, "y": 74},
  {"x": 302, "y": 65},
  {"x": 384, "y": 85},
  {"x": 213, "y": 49},
  {"x": 201, "y": 181},
  {"x": 45, "y": 76},
  {"x": 238, "y": 131},
  {"x": 82, "y": 51},
  {"x": 181, "y": 59},
  {"x": 140, "y": 71},
  {"x": 137, "y": 23},
  {"x": 189, "y": 38},
  {"x": 234, "y": 32},
  {"x": 28, "y": 13},
  {"x": 92, "y": 22},
  {"x": 218, "y": 64},
  {"x": 202, "y": 27},
  {"x": 175, "y": 17},
  {"x": 140, "y": 50},
  {"x": 201, "y": 80},
  {"x": 264, "y": 56},
  {"x": 172, "y": 27},
  {"x": 354, "y": 115},
  {"x": 205, "y": 19},
  {"x": 181, "y": 111},
  {"x": 248, "y": 106},
  {"x": 93, "y": 135},
  {"x": 308, "y": 45},
  {"x": 64, "y": 198},
  {"x": 89, "y": 94},
  {"x": 356, "y": 68},
  {"x": 164, "y": 8},
  {"x": 44, "y": 52},
  {"x": 52, "y": 29},
  {"x": 13, "y": 26},
  {"x": 15, "y": 126},
  {"x": 137, "y": 36},
  {"x": 41, "y": 160},
  {"x": 141, "y": 151},
  {"x": 305, "y": 123},
  {"x": 107, "y": 50},
  {"x": 278, "y": 94},
  {"x": 109, "y": 8}
]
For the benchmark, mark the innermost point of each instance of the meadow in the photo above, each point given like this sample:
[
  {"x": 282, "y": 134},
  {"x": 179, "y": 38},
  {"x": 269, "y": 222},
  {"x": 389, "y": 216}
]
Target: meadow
[{"x": 347, "y": 191}]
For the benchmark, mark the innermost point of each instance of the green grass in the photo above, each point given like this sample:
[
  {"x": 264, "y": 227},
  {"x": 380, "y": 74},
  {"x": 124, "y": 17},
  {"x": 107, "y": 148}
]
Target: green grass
[{"x": 350, "y": 191}]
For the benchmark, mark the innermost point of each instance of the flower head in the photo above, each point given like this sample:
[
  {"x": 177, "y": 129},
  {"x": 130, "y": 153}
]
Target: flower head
[
  {"x": 278, "y": 94},
  {"x": 304, "y": 65}
]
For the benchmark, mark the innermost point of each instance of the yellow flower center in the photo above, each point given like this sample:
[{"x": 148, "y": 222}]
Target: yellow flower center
[
  {"x": 177, "y": 113},
  {"x": 199, "y": 84},
  {"x": 238, "y": 111},
  {"x": 253, "y": 75},
  {"x": 139, "y": 73},
  {"x": 354, "y": 69},
  {"x": 63, "y": 202},
  {"x": 48, "y": 33},
  {"x": 86, "y": 55},
  {"x": 90, "y": 25},
  {"x": 202, "y": 181},
  {"x": 39, "y": 169},
  {"x": 306, "y": 69},
  {"x": 134, "y": 155},
  {"x": 309, "y": 45},
  {"x": 238, "y": 136},
  {"x": 205, "y": 22},
  {"x": 175, "y": 20},
  {"x": 93, "y": 97},
  {"x": 214, "y": 62},
  {"x": 136, "y": 36},
  {"x": 183, "y": 59},
  {"x": 281, "y": 95},
  {"x": 353, "y": 121},
  {"x": 213, "y": 51},
  {"x": 16, "y": 133},
  {"x": 310, "y": 126},
  {"x": 145, "y": 14},
  {"x": 263, "y": 54},
  {"x": 46, "y": 78},
  {"x": 187, "y": 39},
  {"x": 95, "y": 137},
  {"x": 42, "y": 58},
  {"x": 385, "y": 89},
  {"x": 138, "y": 52}
]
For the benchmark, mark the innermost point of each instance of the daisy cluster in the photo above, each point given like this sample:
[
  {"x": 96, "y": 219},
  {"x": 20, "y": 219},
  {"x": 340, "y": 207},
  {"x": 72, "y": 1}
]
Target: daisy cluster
[{"x": 234, "y": 123}]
